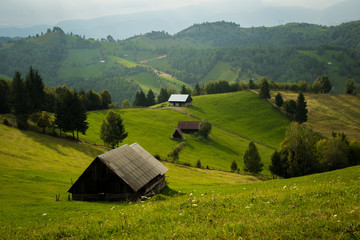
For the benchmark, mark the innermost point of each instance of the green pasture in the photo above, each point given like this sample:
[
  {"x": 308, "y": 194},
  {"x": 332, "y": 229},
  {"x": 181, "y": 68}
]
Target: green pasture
[
  {"x": 152, "y": 129},
  {"x": 244, "y": 114},
  {"x": 221, "y": 71},
  {"x": 331, "y": 112},
  {"x": 199, "y": 203}
]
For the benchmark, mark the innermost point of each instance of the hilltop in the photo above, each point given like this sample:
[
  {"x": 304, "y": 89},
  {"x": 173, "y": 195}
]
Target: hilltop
[{"x": 200, "y": 53}]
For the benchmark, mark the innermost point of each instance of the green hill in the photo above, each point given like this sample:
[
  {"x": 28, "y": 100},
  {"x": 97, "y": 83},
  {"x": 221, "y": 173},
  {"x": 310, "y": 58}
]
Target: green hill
[{"x": 199, "y": 204}]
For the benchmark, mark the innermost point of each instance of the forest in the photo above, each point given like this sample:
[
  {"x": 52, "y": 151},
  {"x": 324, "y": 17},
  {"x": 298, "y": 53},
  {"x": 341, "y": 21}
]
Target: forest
[{"x": 203, "y": 52}]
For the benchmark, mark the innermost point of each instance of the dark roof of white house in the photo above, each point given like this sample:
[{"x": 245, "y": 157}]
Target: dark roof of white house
[
  {"x": 133, "y": 164},
  {"x": 178, "y": 97}
]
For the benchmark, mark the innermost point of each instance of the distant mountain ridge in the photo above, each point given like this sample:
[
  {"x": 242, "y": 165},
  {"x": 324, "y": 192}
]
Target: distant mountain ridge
[{"x": 173, "y": 21}]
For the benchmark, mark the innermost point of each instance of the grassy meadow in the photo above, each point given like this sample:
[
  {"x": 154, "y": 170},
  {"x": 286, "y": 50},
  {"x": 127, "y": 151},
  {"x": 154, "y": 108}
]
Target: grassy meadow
[
  {"x": 198, "y": 203},
  {"x": 331, "y": 112},
  {"x": 243, "y": 113},
  {"x": 152, "y": 129}
]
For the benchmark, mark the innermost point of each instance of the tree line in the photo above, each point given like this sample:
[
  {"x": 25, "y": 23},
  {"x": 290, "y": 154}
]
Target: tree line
[{"x": 29, "y": 98}]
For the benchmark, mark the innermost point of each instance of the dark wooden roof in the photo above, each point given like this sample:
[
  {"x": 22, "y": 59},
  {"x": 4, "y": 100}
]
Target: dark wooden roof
[
  {"x": 133, "y": 164},
  {"x": 184, "y": 125},
  {"x": 178, "y": 133}
]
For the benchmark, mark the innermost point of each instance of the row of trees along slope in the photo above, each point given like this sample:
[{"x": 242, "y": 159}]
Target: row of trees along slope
[{"x": 30, "y": 98}]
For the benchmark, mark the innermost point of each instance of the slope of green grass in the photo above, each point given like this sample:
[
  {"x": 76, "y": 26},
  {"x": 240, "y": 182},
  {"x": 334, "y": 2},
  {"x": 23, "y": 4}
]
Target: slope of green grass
[
  {"x": 152, "y": 129},
  {"x": 221, "y": 71},
  {"x": 200, "y": 204},
  {"x": 331, "y": 112},
  {"x": 243, "y": 113}
]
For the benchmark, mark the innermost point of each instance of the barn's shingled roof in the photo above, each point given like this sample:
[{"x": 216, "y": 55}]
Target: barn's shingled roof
[
  {"x": 133, "y": 164},
  {"x": 184, "y": 125}
]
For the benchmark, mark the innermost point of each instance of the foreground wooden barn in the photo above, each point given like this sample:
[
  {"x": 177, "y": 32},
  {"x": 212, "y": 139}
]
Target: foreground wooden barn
[
  {"x": 180, "y": 100},
  {"x": 125, "y": 173}
]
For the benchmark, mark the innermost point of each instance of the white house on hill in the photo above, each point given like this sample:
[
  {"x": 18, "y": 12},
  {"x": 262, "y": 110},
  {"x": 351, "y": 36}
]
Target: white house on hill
[{"x": 180, "y": 100}]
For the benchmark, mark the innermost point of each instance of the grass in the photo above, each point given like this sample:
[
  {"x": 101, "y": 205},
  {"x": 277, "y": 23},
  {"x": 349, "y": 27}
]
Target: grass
[
  {"x": 221, "y": 71},
  {"x": 331, "y": 112},
  {"x": 199, "y": 204},
  {"x": 243, "y": 113},
  {"x": 149, "y": 127}
]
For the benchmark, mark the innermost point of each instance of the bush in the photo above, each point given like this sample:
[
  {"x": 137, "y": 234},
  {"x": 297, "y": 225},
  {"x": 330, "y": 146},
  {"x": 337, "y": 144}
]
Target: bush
[{"x": 6, "y": 122}]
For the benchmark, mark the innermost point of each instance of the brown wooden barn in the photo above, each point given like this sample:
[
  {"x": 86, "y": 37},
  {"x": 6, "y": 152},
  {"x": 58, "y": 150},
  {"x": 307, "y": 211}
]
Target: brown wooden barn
[
  {"x": 189, "y": 126},
  {"x": 125, "y": 173},
  {"x": 180, "y": 100}
]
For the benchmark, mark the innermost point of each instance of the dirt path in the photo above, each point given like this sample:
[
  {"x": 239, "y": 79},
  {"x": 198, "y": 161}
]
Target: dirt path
[{"x": 146, "y": 61}]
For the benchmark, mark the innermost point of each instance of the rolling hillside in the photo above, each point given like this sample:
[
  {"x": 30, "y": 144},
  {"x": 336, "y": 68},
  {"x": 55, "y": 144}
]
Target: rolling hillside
[
  {"x": 198, "y": 204},
  {"x": 201, "y": 53},
  {"x": 331, "y": 112}
]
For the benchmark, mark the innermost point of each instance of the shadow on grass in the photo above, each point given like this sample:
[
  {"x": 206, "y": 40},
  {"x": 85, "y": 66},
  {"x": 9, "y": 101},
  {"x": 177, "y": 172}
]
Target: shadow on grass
[{"x": 57, "y": 143}]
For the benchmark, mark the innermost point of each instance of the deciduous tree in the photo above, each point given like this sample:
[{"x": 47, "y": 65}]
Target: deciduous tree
[
  {"x": 279, "y": 100},
  {"x": 205, "y": 128}
]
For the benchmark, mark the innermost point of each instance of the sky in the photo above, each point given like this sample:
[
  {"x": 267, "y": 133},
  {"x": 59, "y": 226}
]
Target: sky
[{"x": 48, "y": 12}]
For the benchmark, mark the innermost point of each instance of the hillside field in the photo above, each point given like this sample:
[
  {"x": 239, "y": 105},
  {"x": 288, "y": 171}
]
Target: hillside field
[
  {"x": 198, "y": 203},
  {"x": 331, "y": 112}
]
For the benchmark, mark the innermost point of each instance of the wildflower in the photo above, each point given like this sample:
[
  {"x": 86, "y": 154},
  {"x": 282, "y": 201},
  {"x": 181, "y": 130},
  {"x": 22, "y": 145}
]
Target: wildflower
[
  {"x": 190, "y": 194},
  {"x": 284, "y": 186},
  {"x": 247, "y": 207},
  {"x": 293, "y": 206},
  {"x": 335, "y": 216},
  {"x": 194, "y": 205},
  {"x": 44, "y": 214},
  {"x": 180, "y": 214},
  {"x": 213, "y": 198},
  {"x": 112, "y": 208}
]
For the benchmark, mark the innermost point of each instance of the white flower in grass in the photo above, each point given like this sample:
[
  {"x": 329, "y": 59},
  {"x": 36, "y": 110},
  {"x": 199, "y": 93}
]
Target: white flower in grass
[{"x": 44, "y": 214}]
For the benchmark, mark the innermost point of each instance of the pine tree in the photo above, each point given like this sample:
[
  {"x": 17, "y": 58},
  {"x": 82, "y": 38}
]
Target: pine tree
[
  {"x": 233, "y": 166},
  {"x": 163, "y": 95},
  {"x": 264, "y": 89},
  {"x": 112, "y": 129},
  {"x": 252, "y": 159},
  {"x": 197, "y": 90},
  {"x": 35, "y": 90},
  {"x": 279, "y": 100},
  {"x": 105, "y": 99},
  {"x": 20, "y": 101},
  {"x": 150, "y": 98},
  {"x": 301, "y": 111},
  {"x": 140, "y": 99},
  {"x": 4, "y": 96},
  {"x": 277, "y": 166}
]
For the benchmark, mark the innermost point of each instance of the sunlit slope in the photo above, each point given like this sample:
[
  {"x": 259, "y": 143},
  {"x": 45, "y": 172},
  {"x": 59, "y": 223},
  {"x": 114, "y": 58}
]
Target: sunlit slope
[
  {"x": 201, "y": 204},
  {"x": 243, "y": 113},
  {"x": 35, "y": 167},
  {"x": 153, "y": 128},
  {"x": 331, "y": 112}
]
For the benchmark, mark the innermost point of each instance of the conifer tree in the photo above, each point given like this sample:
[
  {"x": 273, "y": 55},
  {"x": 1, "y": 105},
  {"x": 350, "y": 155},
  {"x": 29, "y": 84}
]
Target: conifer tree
[
  {"x": 350, "y": 87},
  {"x": 4, "y": 96},
  {"x": 20, "y": 101},
  {"x": 140, "y": 99},
  {"x": 264, "y": 89},
  {"x": 233, "y": 166},
  {"x": 105, "y": 99},
  {"x": 112, "y": 129},
  {"x": 150, "y": 98},
  {"x": 252, "y": 159},
  {"x": 163, "y": 95},
  {"x": 301, "y": 111},
  {"x": 279, "y": 100},
  {"x": 35, "y": 90}
]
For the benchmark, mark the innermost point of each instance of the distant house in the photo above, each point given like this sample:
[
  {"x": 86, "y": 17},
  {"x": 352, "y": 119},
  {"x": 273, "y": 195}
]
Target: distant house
[
  {"x": 125, "y": 173},
  {"x": 180, "y": 100},
  {"x": 177, "y": 134},
  {"x": 189, "y": 126}
]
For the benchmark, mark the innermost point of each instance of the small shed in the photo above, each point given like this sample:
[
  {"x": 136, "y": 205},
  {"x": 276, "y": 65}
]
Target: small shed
[
  {"x": 180, "y": 100},
  {"x": 189, "y": 126},
  {"x": 124, "y": 173},
  {"x": 177, "y": 134}
]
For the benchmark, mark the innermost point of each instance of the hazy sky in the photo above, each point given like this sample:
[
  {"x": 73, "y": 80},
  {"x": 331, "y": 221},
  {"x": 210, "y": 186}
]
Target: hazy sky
[{"x": 36, "y": 12}]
